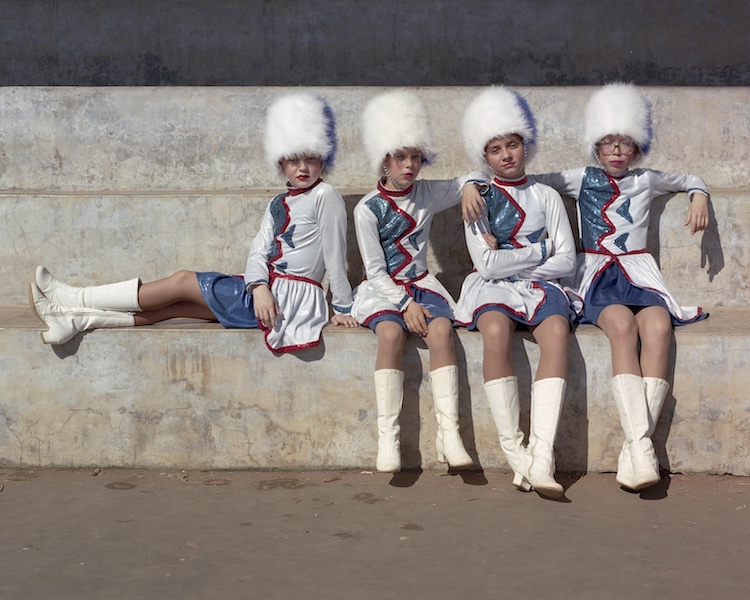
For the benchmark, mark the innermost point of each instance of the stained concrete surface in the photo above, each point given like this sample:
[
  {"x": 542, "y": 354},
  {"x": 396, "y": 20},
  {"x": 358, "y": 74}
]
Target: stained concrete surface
[{"x": 350, "y": 534}]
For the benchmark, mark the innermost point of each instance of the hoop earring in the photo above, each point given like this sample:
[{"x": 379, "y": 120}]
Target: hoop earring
[{"x": 392, "y": 180}]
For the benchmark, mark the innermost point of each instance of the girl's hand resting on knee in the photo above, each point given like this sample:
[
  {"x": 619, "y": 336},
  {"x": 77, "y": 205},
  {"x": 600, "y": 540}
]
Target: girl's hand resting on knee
[
  {"x": 415, "y": 317},
  {"x": 344, "y": 321},
  {"x": 266, "y": 310}
]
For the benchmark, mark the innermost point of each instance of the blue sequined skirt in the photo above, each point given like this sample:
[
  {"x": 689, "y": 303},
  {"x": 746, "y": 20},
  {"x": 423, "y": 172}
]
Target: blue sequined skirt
[
  {"x": 228, "y": 299},
  {"x": 435, "y": 303},
  {"x": 555, "y": 303},
  {"x": 613, "y": 287}
]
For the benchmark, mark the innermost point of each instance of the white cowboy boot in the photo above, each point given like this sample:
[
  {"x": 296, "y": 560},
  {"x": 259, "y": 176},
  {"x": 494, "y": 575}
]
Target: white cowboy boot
[
  {"x": 65, "y": 323},
  {"x": 450, "y": 447},
  {"x": 389, "y": 396},
  {"x": 121, "y": 296},
  {"x": 502, "y": 395},
  {"x": 630, "y": 397},
  {"x": 546, "y": 406},
  {"x": 656, "y": 393}
]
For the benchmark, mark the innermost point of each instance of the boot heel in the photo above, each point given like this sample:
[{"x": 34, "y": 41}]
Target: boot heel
[{"x": 521, "y": 482}]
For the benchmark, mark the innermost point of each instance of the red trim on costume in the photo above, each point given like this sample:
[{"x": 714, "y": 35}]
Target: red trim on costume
[
  {"x": 289, "y": 349},
  {"x": 276, "y": 241},
  {"x": 522, "y": 213},
  {"x": 388, "y": 196},
  {"x": 424, "y": 289},
  {"x": 380, "y": 313},
  {"x": 607, "y": 204},
  {"x": 527, "y": 320},
  {"x": 278, "y": 275},
  {"x": 500, "y": 182},
  {"x": 297, "y": 191},
  {"x": 394, "y": 193}
]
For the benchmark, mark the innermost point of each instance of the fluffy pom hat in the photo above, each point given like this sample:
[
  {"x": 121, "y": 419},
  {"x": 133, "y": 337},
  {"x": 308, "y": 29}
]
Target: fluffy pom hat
[
  {"x": 497, "y": 112},
  {"x": 300, "y": 123},
  {"x": 618, "y": 109},
  {"x": 396, "y": 120}
]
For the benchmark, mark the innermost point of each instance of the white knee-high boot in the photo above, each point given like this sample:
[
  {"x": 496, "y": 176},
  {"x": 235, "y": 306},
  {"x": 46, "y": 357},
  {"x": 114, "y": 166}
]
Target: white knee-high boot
[
  {"x": 64, "y": 323},
  {"x": 546, "y": 406},
  {"x": 630, "y": 397},
  {"x": 656, "y": 393},
  {"x": 450, "y": 447},
  {"x": 389, "y": 396},
  {"x": 502, "y": 396},
  {"x": 120, "y": 296}
]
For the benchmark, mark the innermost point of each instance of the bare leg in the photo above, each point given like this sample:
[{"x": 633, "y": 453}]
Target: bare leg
[
  {"x": 186, "y": 310},
  {"x": 391, "y": 340},
  {"x": 178, "y": 295},
  {"x": 181, "y": 286},
  {"x": 441, "y": 342},
  {"x": 497, "y": 331},
  {"x": 621, "y": 327},
  {"x": 655, "y": 329},
  {"x": 552, "y": 337}
]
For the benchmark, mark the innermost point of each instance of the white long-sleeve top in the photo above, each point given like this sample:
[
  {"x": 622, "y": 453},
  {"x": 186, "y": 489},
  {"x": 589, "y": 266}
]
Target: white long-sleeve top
[
  {"x": 301, "y": 239},
  {"x": 613, "y": 218},
  {"x": 393, "y": 229},
  {"x": 535, "y": 249}
]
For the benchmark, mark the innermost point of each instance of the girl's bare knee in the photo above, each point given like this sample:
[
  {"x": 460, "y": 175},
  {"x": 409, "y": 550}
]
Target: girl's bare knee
[
  {"x": 390, "y": 334},
  {"x": 620, "y": 328},
  {"x": 441, "y": 330}
]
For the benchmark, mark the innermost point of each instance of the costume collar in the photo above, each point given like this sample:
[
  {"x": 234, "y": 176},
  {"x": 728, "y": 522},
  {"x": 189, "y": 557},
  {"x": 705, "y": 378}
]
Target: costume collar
[
  {"x": 510, "y": 182},
  {"x": 383, "y": 190},
  {"x": 297, "y": 191}
]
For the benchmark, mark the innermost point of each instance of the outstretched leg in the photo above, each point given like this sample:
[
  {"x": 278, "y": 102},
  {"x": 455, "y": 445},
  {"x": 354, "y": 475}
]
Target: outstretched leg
[{"x": 68, "y": 310}]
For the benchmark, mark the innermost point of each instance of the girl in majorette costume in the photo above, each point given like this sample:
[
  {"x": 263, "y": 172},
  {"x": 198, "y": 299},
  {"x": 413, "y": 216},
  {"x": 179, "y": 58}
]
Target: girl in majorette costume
[
  {"x": 302, "y": 237},
  {"x": 399, "y": 295},
  {"x": 622, "y": 289},
  {"x": 520, "y": 247}
]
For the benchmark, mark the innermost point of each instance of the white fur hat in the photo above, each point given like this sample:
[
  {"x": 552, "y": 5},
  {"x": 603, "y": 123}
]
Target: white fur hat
[
  {"x": 618, "y": 109},
  {"x": 497, "y": 112},
  {"x": 300, "y": 123},
  {"x": 396, "y": 120}
]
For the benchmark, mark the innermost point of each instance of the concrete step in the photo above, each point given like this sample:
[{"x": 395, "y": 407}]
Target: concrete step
[
  {"x": 188, "y": 394},
  {"x": 98, "y": 238}
]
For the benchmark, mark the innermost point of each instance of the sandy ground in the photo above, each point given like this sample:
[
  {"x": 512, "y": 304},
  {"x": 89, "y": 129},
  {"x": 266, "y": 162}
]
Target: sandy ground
[{"x": 80, "y": 534}]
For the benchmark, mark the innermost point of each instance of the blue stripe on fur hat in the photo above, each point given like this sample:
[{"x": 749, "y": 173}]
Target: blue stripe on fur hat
[
  {"x": 298, "y": 124},
  {"x": 395, "y": 120},
  {"x": 496, "y": 112}
]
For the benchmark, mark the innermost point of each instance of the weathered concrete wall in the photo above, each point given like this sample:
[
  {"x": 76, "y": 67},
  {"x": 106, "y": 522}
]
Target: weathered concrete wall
[
  {"x": 179, "y": 396},
  {"x": 155, "y": 139},
  {"x": 103, "y": 183},
  {"x": 341, "y": 42},
  {"x": 102, "y": 237}
]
